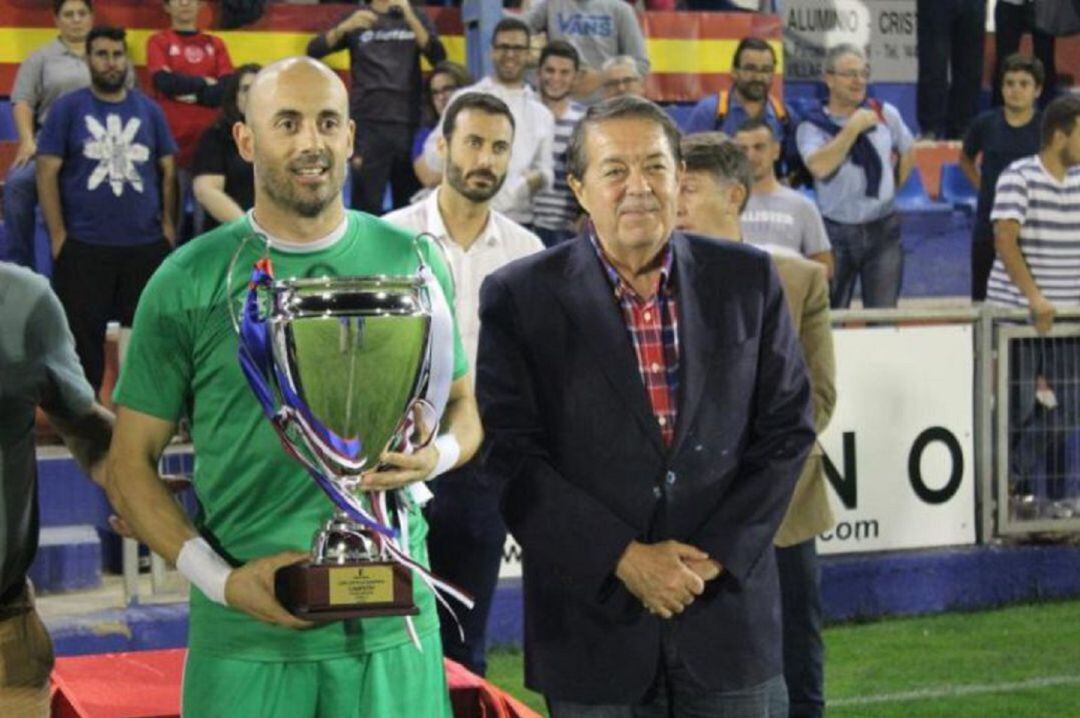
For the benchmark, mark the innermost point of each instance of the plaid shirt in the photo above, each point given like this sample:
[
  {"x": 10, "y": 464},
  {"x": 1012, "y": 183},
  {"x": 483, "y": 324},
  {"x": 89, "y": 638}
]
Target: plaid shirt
[{"x": 653, "y": 326}]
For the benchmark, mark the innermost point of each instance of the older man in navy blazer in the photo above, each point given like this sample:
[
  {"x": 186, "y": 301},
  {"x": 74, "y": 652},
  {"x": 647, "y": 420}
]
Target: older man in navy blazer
[{"x": 648, "y": 409}]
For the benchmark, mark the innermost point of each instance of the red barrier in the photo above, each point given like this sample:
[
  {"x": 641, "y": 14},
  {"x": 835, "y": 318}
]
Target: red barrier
[{"x": 146, "y": 684}]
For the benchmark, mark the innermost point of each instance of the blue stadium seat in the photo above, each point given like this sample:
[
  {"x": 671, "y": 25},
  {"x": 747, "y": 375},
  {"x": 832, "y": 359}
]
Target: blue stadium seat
[
  {"x": 7, "y": 122},
  {"x": 912, "y": 197},
  {"x": 956, "y": 189}
]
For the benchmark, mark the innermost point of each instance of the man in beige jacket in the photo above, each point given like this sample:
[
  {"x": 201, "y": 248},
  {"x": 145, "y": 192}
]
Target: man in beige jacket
[{"x": 714, "y": 192}]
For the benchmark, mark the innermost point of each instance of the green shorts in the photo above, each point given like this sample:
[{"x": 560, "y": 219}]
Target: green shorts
[{"x": 395, "y": 682}]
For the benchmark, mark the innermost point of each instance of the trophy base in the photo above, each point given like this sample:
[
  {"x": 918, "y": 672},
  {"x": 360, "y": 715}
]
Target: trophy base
[{"x": 356, "y": 589}]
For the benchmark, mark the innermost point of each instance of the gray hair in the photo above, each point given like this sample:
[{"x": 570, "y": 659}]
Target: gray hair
[
  {"x": 842, "y": 50},
  {"x": 625, "y": 107},
  {"x": 714, "y": 153},
  {"x": 613, "y": 62}
]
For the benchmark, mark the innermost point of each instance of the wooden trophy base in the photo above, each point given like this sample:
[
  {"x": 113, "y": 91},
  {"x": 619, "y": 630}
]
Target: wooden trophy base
[{"x": 359, "y": 589}]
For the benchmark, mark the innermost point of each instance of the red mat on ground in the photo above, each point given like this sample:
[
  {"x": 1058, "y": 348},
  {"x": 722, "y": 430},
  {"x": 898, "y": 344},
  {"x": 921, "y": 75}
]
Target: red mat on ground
[{"x": 146, "y": 684}]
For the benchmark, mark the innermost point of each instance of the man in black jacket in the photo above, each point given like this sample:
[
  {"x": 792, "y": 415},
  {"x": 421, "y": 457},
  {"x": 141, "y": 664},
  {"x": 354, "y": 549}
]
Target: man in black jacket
[
  {"x": 385, "y": 39},
  {"x": 647, "y": 404}
]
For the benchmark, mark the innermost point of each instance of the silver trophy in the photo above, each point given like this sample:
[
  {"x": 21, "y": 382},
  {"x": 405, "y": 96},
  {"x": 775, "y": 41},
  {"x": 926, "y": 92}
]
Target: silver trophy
[{"x": 341, "y": 366}]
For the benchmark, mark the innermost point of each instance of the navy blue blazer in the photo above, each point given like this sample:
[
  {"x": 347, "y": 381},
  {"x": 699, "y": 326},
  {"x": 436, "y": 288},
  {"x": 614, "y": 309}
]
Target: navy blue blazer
[{"x": 584, "y": 470}]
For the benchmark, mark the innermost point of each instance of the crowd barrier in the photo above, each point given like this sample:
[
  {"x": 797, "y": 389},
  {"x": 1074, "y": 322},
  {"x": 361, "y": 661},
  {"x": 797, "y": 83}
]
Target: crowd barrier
[{"x": 919, "y": 449}]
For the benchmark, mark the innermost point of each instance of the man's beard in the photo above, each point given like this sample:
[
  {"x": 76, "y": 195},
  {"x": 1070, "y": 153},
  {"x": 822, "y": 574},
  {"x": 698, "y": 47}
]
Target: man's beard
[
  {"x": 306, "y": 203},
  {"x": 1068, "y": 160},
  {"x": 103, "y": 83},
  {"x": 755, "y": 90},
  {"x": 459, "y": 180}
]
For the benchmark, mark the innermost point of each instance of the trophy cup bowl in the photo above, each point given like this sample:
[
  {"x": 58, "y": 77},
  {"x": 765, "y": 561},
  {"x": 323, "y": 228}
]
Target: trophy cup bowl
[{"x": 352, "y": 353}]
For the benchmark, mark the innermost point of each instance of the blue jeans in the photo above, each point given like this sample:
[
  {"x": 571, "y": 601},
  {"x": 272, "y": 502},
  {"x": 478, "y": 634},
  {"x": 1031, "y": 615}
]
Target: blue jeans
[
  {"x": 872, "y": 253},
  {"x": 804, "y": 651},
  {"x": 465, "y": 544},
  {"x": 20, "y": 203},
  {"x": 676, "y": 694}
]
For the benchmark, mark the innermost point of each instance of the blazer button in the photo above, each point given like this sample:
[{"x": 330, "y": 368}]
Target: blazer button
[
  {"x": 657, "y": 492},
  {"x": 670, "y": 478}
]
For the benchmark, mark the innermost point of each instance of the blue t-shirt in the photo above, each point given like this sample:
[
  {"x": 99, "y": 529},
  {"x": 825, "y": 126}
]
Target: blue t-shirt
[{"x": 109, "y": 181}]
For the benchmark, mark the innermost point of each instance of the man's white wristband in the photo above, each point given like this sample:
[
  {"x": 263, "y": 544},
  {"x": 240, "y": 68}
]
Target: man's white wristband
[
  {"x": 449, "y": 452},
  {"x": 201, "y": 565}
]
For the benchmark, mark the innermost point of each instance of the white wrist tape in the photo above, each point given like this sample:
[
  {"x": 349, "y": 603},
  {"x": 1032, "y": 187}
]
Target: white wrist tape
[
  {"x": 201, "y": 565},
  {"x": 449, "y": 452}
]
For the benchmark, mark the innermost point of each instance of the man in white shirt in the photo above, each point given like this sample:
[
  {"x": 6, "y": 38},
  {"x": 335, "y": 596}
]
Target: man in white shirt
[
  {"x": 775, "y": 214},
  {"x": 466, "y": 532},
  {"x": 530, "y": 168}
]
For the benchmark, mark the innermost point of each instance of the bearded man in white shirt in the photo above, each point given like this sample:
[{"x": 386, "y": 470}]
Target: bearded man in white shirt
[{"x": 466, "y": 532}]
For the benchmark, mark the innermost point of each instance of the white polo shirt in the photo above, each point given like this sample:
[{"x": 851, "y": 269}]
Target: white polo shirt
[{"x": 500, "y": 242}]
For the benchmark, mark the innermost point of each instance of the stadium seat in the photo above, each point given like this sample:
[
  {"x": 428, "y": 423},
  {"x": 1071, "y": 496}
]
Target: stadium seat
[
  {"x": 956, "y": 188},
  {"x": 912, "y": 196},
  {"x": 7, "y": 122}
]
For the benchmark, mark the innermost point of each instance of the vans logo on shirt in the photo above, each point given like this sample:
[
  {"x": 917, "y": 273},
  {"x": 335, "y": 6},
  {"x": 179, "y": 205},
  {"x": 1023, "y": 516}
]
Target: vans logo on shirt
[
  {"x": 113, "y": 145},
  {"x": 586, "y": 25}
]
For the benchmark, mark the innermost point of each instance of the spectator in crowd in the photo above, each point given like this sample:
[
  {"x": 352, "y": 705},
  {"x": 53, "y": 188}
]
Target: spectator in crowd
[
  {"x": 50, "y": 71},
  {"x": 753, "y": 67},
  {"x": 951, "y": 35},
  {"x": 185, "y": 66},
  {"x": 599, "y": 29},
  {"x": 777, "y": 215},
  {"x": 627, "y": 518},
  {"x": 242, "y": 659},
  {"x": 1012, "y": 20},
  {"x": 38, "y": 368},
  {"x": 1001, "y": 136},
  {"x": 1036, "y": 220},
  {"x": 105, "y": 178},
  {"x": 531, "y": 159},
  {"x": 716, "y": 185},
  {"x": 621, "y": 76},
  {"x": 859, "y": 152},
  {"x": 386, "y": 40},
  {"x": 466, "y": 534},
  {"x": 555, "y": 208},
  {"x": 224, "y": 181},
  {"x": 445, "y": 79}
]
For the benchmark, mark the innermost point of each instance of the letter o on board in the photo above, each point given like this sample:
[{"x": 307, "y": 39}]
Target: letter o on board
[{"x": 956, "y": 456}]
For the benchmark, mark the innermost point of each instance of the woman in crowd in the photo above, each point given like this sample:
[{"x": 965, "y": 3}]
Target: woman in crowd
[
  {"x": 224, "y": 182},
  {"x": 446, "y": 79}
]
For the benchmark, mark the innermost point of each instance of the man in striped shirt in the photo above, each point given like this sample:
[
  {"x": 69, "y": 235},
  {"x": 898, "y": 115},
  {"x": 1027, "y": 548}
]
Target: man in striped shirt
[
  {"x": 554, "y": 208},
  {"x": 1036, "y": 219}
]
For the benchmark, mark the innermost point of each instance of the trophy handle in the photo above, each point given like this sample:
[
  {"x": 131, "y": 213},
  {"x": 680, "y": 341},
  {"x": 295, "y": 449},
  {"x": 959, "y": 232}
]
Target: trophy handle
[{"x": 400, "y": 440}]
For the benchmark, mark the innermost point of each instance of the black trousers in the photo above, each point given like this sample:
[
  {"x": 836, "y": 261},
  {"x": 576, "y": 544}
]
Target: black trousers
[
  {"x": 465, "y": 543},
  {"x": 982, "y": 259},
  {"x": 96, "y": 284},
  {"x": 951, "y": 37},
  {"x": 804, "y": 650},
  {"x": 385, "y": 152},
  {"x": 1012, "y": 23}
]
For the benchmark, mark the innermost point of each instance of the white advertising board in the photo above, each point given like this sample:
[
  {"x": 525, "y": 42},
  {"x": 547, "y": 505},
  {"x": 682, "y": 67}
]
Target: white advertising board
[
  {"x": 899, "y": 447},
  {"x": 884, "y": 29}
]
